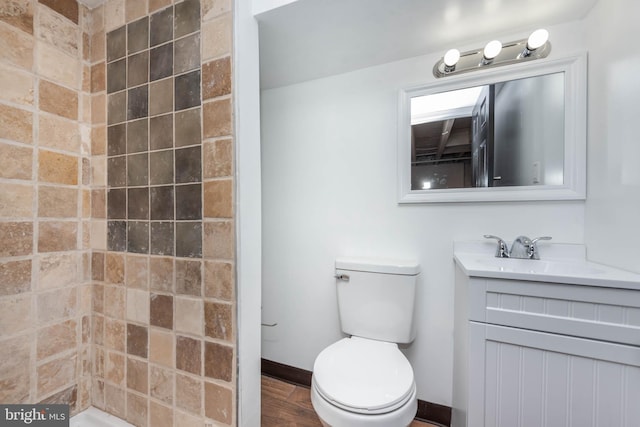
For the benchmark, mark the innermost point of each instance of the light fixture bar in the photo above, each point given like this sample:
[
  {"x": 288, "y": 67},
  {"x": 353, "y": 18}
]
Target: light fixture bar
[{"x": 511, "y": 53}]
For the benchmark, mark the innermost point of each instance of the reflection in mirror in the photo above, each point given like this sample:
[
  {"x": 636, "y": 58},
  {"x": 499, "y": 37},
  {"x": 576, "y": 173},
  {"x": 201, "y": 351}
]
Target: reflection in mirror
[{"x": 509, "y": 133}]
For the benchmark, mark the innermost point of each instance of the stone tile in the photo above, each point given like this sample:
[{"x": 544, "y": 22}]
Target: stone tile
[
  {"x": 114, "y": 399},
  {"x": 189, "y": 393},
  {"x": 117, "y": 139},
  {"x": 162, "y": 203},
  {"x": 98, "y": 140},
  {"x": 218, "y": 321},
  {"x": 98, "y": 204},
  {"x": 97, "y": 266},
  {"x": 138, "y": 35},
  {"x": 137, "y": 407},
  {"x": 18, "y": 13},
  {"x": 218, "y": 402},
  {"x": 16, "y": 200},
  {"x": 14, "y": 389},
  {"x": 57, "y": 132},
  {"x": 67, "y": 396},
  {"x": 15, "y": 314},
  {"x": 99, "y": 108},
  {"x": 114, "y": 368},
  {"x": 54, "y": 375},
  {"x": 56, "y": 339},
  {"x": 137, "y": 102},
  {"x": 116, "y": 44},
  {"x": 219, "y": 280},
  {"x": 162, "y": 240},
  {"x": 217, "y": 158},
  {"x": 138, "y": 69},
  {"x": 137, "y": 375},
  {"x": 98, "y": 77},
  {"x": 189, "y": 315},
  {"x": 217, "y": 36},
  {"x": 58, "y": 66},
  {"x": 58, "y": 31},
  {"x": 117, "y": 171},
  {"x": 188, "y": 163},
  {"x": 217, "y": 118},
  {"x": 218, "y": 198},
  {"x": 219, "y": 240},
  {"x": 16, "y": 47},
  {"x": 138, "y": 169},
  {"x": 189, "y": 202},
  {"x": 189, "y": 239},
  {"x": 160, "y": 165},
  {"x": 98, "y": 46},
  {"x": 161, "y": 132},
  {"x": 16, "y": 124},
  {"x": 187, "y": 90},
  {"x": 134, "y": 9},
  {"x": 117, "y": 203},
  {"x": 114, "y": 301},
  {"x": 161, "y": 274},
  {"x": 138, "y": 306},
  {"x": 15, "y": 355},
  {"x": 67, "y": 8},
  {"x": 216, "y": 78},
  {"x": 114, "y": 334},
  {"x": 218, "y": 361},
  {"x": 160, "y": 23},
  {"x": 16, "y": 162},
  {"x": 187, "y": 17},
  {"x": 161, "y": 347},
  {"x": 117, "y": 75},
  {"x": 161, "y": 97},
  {"x": 188, "y": 128},
  {"x": 57, "y": 202},
  {"x": 57, "y": 236},
  {"x": 213, "y": 8},
  {"x": 16, "y": 86},
  {"x": 161, "y": 383},
  {"x": 16, "y": 239},
  {"x": 15, "y": 277},
  {"x": 161, "y": 62},
  {"x": 189, "y": 355},
  {"x": 117, "y": 108},
  {"x": 138, "y": 237},
  {"x": 138, "y": 205},
  {"x": 117, "y": 236},
  {"x": 57, "y": 168},
  {"x": 56, "y": 305},
  {"x": 114, "y": 268},
  {"x": 188, "y": 277},
  {"x": 137, "y": 272},
  {"x": 58, "y": 100},
  {"x": 86, "y": 47},
  {"x": 161, "y": 311},
  {"x": 114, "y": 14},
  {"x": 186, "y": 54},
  {"x": 137, "y": 344},
  {"x": 160, "y": 415},
  {"x": 57, "y": 270}
]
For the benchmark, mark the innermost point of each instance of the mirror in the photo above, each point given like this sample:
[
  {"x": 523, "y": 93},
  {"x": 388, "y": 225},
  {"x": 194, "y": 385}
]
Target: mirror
[{"x": 513, "y": 134}]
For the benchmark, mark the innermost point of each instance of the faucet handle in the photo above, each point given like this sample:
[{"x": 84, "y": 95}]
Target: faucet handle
[
  {"x": 501, "y": 251},
  {"x": 533, "y": 248},
  {"x": 533, "y": 241}
]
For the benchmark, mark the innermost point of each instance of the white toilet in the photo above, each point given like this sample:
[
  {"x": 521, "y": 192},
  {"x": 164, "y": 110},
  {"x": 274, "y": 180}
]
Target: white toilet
[{"x": 365, "y": 380}]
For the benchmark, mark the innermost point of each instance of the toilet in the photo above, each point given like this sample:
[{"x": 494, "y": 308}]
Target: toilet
[{"x": 364, "y": 379}]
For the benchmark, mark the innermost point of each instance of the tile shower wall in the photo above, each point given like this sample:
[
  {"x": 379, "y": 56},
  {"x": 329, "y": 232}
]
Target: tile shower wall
[
  {"x": 163, "y": 256},
  {"x": 45, "y": 210}
]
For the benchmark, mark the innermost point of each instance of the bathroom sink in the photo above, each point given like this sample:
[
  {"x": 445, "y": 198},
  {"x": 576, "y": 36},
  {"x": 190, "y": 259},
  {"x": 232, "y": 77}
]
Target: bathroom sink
[{"x": 559, "y": 263}]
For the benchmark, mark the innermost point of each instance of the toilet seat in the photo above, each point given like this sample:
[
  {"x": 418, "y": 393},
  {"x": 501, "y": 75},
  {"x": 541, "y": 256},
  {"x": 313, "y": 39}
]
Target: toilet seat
[{"x": 363, "y": 376}]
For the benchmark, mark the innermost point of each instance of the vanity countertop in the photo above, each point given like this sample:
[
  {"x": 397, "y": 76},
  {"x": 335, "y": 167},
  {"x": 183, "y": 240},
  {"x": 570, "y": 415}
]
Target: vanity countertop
[{"x": 559, "y": 263}]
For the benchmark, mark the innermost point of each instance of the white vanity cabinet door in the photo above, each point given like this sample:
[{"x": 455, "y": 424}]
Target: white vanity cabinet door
[{"x": 524, "y": 378}]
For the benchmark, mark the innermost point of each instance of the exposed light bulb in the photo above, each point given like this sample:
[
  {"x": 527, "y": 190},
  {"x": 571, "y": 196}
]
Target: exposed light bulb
[
  {"x": 537, "y": 39},
  {"x": 452, "y": 57},
  {"x": 426, "y": 185},
  {"x": 492, "y": 49}
]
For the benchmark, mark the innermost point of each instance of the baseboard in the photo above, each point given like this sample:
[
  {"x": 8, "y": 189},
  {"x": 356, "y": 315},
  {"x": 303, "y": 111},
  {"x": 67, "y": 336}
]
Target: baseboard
[{"x": 427, "y": 411}]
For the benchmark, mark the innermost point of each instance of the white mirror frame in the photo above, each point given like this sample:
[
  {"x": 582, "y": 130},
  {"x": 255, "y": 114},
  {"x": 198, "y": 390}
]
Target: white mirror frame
[{"x": 575, "y": 135}]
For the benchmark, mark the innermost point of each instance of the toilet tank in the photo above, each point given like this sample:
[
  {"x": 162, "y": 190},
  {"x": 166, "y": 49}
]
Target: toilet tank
[{"x": 376, "y": 298}]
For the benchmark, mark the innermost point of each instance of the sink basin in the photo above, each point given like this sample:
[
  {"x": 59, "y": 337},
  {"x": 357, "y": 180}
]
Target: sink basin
[{"x": 540, "y": 266}]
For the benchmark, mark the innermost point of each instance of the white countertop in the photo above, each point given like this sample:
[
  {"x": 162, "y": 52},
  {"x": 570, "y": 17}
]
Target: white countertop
[{"x": 559, "y": 263}]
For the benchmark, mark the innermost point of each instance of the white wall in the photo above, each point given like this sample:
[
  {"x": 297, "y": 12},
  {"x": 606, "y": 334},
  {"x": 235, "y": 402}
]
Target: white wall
[
  {"x": 613, "y": 185},
  {"x": 329, "y": 189}
]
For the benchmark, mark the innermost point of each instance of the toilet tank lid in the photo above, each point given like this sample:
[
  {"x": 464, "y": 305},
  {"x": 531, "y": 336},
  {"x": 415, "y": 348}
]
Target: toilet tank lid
[{"x": 378, "y": 265}]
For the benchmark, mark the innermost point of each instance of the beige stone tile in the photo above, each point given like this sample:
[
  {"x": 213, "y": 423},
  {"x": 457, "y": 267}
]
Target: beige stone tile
[
  {"x": 184, "y": 419},
  {"x": 15, "y": 354},
  {"x": 85, "y": 141},
  {"x": 99, "y": 171},
  {"x": 160, "y": 415},
  {"x": 56, "y": 339},
  {"x": 16, "y": 124},
  {"x": 57, "y": 132},
  {"x": 54, "y": 375},
  {"x": 135, "y": 9},
  {"x": 218, "y": 320},
  {"x": 138, "y": 306},
  {"x": 189, "y": 315},
  {"x": 97, "y": 268},
  {"x": 58, "y": 270},
  {"x": 218, "y": 240},
  {"x": 218, "y": 199},
  {"x": 16, "y": 201},
  {"x": 114, "y": 400},
  {"x": 58, "y": 31},
  {"x": 86, "y": 235},
  {"x": 213, "y": 8},
  {"x": 98, "y": 204},
  {"x": 56, "y": 305},
  {"x": 15, "y": 314},
  {"x": 86, "y": 79},
  {"x": 57, "y": 202},
  {"x": 16, "y": 238},
  {"x": 18, "y": 13},
  {"x": 161, "y": 383},
  {"x": 99, "y": 235},
  {"x": 114, "y": 300},
  {"x": 57, "y": 168},
  {"x": 86, "y": 209},
  {"x": 15, "y": 388},
  {"x": 137, "y": 375},
  {"x": 97, "y": 19},
  {"x": 16, "y": 47},
  {"x": 15, "y": 277},
  {"x": 189, "y": 394},
  {"x": 219, "y": 280},
  {"x": 217, "y": 118},
  {"x": 114, "y": 368},
  {"x": 158, "y": 4},
  {"x": 161, "y": 276},
  {"x": 114, "y": 334},
  {"x": 98, "y": 109},
  {"x": 67, "y": 8},
  {"x": 15, "y": 162},
  {"x": 161, "y": 347},
  {"x": 58, "y": 100},
  {"x": 98, "y": 77},
  {"x": 99, "y": 141},
  {"x": 114, "y": 14},
  {"x": 217, "y": 158},
  {"x": 98, "y": 46},
  {"x": 218, "y": 402},
  {"x": 219, "y": 361},
  {"x": 57, "y": 236},
  {"x": 114, "y": 271},
  {"x": 15, "y": 85},
  {"x": 58, "y": 66},
  {"x": 86, "y": 47},
  {"x": 217, "y": 36},
  {"x": 137, "y": 409},
  {"x": 84, "y": 299},
  {"x": 137, "y": 271}
]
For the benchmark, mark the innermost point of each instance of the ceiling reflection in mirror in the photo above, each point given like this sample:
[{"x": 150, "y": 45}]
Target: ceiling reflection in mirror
[{"x": 499, "y": 135}]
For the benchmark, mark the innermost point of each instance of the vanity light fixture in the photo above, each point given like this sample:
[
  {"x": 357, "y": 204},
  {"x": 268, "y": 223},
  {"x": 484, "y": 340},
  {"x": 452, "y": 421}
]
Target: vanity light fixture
[{"x": 494, "y": 54}]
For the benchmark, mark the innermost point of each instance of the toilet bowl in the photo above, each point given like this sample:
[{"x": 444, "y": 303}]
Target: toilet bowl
[{"x": 362, "y": 382}]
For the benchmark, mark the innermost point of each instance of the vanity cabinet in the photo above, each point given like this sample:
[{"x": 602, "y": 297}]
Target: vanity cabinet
[{"x": 534, "y": 353}]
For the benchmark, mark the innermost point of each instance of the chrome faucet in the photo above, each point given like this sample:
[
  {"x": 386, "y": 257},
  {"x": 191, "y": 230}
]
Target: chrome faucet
[{"x": 522, "y": 247}]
